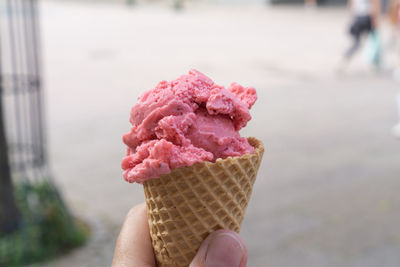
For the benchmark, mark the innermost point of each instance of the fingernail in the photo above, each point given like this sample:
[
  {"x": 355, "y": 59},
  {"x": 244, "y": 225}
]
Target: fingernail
[{"x": 225, "y": 249}]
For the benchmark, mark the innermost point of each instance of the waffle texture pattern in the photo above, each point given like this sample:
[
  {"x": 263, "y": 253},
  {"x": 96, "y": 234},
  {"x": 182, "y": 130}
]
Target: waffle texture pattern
[{"x": 189, "y": 203}]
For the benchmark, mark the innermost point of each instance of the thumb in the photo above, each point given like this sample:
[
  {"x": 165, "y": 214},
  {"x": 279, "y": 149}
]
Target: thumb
[{"x": 221, "y": 248}]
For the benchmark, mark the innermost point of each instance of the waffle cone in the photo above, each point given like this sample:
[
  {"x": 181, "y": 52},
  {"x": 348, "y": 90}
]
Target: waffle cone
[{"x": 189, "y": 203}]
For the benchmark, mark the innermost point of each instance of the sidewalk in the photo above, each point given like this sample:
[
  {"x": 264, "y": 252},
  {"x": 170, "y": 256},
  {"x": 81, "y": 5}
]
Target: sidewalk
[{"x": 326, "y": 193}]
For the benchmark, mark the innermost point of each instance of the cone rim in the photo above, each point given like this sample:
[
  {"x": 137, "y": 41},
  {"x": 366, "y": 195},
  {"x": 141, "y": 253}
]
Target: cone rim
[{"x": 254, "y": 142}]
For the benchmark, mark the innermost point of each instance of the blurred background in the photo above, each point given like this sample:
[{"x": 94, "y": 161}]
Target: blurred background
[{"x": 327, "y": 191}]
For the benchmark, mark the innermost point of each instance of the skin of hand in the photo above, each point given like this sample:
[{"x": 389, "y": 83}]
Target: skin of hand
[{"x": 133, "y": 248}]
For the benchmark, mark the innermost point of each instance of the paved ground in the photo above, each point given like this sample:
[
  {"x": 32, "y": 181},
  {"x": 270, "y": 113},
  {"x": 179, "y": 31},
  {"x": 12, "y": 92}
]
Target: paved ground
[{"x": 327, "y": 192}]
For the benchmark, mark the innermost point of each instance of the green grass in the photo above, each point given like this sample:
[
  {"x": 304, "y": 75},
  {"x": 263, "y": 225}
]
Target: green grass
[{"x": 47, "y": 229}]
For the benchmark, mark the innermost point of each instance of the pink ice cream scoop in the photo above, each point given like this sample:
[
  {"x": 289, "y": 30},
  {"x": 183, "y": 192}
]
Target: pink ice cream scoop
[{"x": 185, "y": 121}]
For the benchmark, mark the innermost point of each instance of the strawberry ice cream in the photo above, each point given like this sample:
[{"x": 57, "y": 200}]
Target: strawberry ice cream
[{"x": 182, "y": 122}]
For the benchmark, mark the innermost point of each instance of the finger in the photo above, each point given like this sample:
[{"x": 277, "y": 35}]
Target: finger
[
  {"x": 221, "y": 248},
  {"x": 133, "y": 247}
]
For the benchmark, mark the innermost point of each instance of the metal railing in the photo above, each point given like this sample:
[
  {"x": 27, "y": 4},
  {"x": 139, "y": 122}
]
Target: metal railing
[
  {"x": 41, "y": 224},
  {"x": 21, "y": 89}
]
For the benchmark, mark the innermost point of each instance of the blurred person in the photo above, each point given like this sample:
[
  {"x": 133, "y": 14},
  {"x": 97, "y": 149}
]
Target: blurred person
[
  {"x": 365, "y": 16},
  {"x": 221, "y": 248}
]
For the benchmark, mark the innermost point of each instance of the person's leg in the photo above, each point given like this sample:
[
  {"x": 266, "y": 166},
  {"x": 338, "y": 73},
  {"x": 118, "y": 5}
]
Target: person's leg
[
  {"x": 356, "y": 39},
  {"x": 357, "y": 29},
  {"x": 372, "y": 32},
  {"x": 353, "y": 48}
]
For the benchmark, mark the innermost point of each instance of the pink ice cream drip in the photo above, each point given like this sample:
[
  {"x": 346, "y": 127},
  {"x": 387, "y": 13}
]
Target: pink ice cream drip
[{"x": 183, "y": 122}]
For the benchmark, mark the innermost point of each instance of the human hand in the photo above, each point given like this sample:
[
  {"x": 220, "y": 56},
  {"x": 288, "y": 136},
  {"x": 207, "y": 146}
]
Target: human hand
[{"x": 133, "y": 249}]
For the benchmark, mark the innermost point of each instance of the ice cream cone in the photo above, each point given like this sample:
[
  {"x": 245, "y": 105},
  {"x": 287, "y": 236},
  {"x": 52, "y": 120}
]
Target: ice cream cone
[{"x": 189, "y": 203}]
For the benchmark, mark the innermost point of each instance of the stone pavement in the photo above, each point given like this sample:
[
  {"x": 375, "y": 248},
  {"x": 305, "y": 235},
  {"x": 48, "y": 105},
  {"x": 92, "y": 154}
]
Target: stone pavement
[{"x": 327, "y": 191}]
